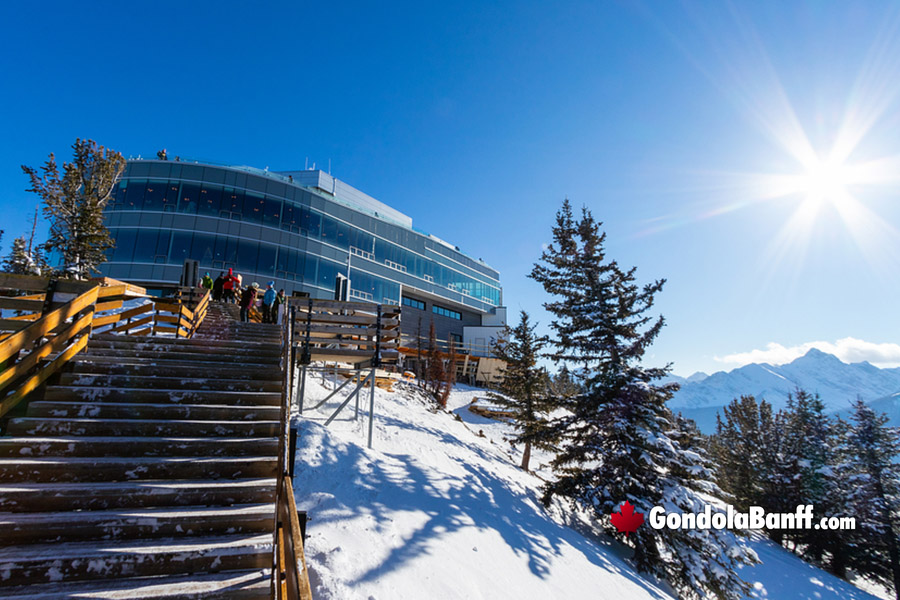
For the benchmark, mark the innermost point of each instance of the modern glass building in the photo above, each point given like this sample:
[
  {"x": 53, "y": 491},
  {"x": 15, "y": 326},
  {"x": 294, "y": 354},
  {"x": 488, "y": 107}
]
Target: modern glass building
[{"x": 303, "y": 229}]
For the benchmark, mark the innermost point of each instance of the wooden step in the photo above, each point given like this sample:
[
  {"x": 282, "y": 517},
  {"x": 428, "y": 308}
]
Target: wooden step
[
  {"x": 124, "y": 366},
  {"x": 25, "y": 447},
  {"x": 169, "y": 383},
  {"x": 17, "y": 528},
  {"x": 141, "y": 410},
  {"x": 202, "y": 357},
  {"x": 136, "y": 427},
  {"x": 164, "y": 363},
  {"x": 155, "y": 396},
  {"x": 183, "y": 345},
  {"x": 250, "y": 584},
  {"x": 74, "y": 469},
  {"x": 49, "y": 563},
  {"x": 48, "y": 497}
]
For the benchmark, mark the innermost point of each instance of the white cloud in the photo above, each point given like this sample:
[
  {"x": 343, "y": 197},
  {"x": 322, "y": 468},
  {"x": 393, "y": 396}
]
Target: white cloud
[{"x": 849, "y": 350}]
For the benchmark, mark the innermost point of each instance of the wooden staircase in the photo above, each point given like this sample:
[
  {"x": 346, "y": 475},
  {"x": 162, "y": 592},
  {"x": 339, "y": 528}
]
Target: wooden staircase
[{"x": 148, "y": 470}]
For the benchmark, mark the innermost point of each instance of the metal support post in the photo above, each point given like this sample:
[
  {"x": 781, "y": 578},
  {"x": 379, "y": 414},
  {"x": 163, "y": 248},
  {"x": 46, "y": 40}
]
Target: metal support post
[{"x": 372, "y": 408}]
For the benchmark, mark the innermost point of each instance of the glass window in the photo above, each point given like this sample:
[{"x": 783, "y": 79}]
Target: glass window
[
  {"x": 190, "y": 194},
  {"x": 309, "y": 269},
  {"x": 343, "y": 235},
  {"x": 256, "y": 183},
  {"x": 154, "y": 194},
  {"x": 310, "y": 223},
  {"x": 413, "y": 303},
  {"x": 329, "y": 229},
  {"x": 170, "y": 203},
  {"x": 225, "y": 252},
  {"x": 290, "y": 217},
  {"x": 181, "y": 247},
  {"x": 210, "y": 200},
  {"x": 247, "y": 255},
  {"x": 118, "y": 201},
  {"x": 134, "y": 195},
  {"x": 152, "y": 245},
  {"x": 446, "y": 312},
  {"x": 272, "y": 212},
  {"x": 266, "y": 262},
  {"x": 233, "y": 202},
  {"x": 124, "y": 249},
  {"x": 254, "y": 206},
  {"x": 327, "y": 273},
  {"x": 203, "y": 248}
]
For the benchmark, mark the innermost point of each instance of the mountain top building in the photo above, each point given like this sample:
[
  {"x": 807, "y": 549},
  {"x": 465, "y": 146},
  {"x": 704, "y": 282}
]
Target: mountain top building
[{"x": 306, "y": 230}]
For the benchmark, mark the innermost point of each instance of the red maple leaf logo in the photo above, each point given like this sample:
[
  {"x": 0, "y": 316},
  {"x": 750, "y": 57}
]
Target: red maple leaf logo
[{"x": 626, "y": 519}]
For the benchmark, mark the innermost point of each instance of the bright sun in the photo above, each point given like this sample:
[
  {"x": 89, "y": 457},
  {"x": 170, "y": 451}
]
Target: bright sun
[{"x": 825, "y": 181}]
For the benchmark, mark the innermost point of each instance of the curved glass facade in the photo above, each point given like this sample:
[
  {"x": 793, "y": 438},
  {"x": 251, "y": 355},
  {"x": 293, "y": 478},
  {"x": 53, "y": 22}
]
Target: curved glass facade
[{"x": 267, "y": 227}]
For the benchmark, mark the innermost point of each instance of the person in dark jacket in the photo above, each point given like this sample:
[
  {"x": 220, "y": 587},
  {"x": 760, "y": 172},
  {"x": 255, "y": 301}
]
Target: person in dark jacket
[
  {"x": 217, "y": 287},
  {"x": 280, "y": 299},
  {"x": 247, "y": 300}
]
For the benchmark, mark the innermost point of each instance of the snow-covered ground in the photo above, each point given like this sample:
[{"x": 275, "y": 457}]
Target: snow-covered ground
[{"x": 438, "y": 509}]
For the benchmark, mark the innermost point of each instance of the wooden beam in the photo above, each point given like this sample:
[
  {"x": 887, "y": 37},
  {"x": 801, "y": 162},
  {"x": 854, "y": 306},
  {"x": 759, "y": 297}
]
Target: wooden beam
[
  {"x": 345, "y": 319},
  {"x": 14, "y": 324},
  {"x": 56, "y": 344},
  {"x": 102, "y": 306},
  {"x": 31, "y": 283},
  {"x": 33, "y": 382},
  {"x": 46, "y": 324}
]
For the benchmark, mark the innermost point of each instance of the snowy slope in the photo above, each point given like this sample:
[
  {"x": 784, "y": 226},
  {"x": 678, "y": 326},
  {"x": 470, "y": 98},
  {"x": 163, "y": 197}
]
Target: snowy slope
[{"x": 436, "y": 511}]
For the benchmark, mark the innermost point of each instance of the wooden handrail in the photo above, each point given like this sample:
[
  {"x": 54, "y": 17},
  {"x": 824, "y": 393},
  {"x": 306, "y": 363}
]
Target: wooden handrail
[
  {"x": 64, "y": 328},
  {"x": 81, "y": 309},
  {"x": 290, "y": 576}
]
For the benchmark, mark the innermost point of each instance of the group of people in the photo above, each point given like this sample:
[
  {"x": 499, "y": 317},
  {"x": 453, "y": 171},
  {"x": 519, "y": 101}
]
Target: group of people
[{"x": 228, "y": 288}]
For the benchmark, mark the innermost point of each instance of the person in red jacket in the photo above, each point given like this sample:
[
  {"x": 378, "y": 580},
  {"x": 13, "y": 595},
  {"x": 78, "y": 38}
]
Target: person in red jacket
[{"x": 228, "y": 287}]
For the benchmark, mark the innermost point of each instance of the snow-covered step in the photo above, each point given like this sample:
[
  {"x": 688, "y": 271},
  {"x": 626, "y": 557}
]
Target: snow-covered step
[
  {"x": 175, "y": 395},
  {"x": 138, "y": 427},
  {"x": 252, "y": 584},
  {"x": 175, "y": 369},
  {"x": 163, "y": 361},
  {"x": 17, "y": 528},
  {"x": 186, "y": 345},
  {"x": 26, "y": 447},
  {"x": 72, "y": 469},
  {"x": 48, "y": 497},
  {"x": 169, "y": 383},
  {"x": 74, "y": 561},
  {"x": 204, "y": 357},
  {"x": 140, "y": 410}
]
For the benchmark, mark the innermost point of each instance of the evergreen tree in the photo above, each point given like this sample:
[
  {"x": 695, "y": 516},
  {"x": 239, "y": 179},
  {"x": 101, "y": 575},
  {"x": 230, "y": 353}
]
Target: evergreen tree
[
  {"x": 74, "y": 202},
  {"x": 434, "y": 369},
  {"x": 873, "y": 496},
  {"x": 523, "y": 386},
  {"x": 614, "y": 436},
  {"x": 19, "y": 261},
  {"x": 738, "y": 447}
]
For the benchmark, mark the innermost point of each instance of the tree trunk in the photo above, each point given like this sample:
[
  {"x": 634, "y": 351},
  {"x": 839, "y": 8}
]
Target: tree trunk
[{"x": 526, "y": 456}]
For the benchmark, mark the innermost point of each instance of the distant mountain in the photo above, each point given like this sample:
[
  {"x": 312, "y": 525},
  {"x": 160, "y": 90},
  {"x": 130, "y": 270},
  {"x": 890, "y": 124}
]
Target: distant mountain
[
  {"x": 836, "y": 382},
  {"x": 888, "y": 404}
]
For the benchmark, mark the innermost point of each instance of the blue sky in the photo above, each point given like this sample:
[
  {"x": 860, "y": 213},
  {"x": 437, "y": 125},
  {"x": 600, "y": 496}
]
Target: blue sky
[{"x": 679, "y": 124}]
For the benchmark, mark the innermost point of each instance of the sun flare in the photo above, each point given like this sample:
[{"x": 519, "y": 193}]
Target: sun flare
[{"x": 825, "y": 181}]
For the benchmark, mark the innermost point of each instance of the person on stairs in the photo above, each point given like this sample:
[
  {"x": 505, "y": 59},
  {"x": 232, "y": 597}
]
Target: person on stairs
[
  {"x": 228, "y": 287},
  {"x": 269, "y": 303},
  {"x": 207, "y": 282},
  {"x": 217, "y": 287},
  {"x": 247, "y": 300},
  {"x": 280, "y": 299}
]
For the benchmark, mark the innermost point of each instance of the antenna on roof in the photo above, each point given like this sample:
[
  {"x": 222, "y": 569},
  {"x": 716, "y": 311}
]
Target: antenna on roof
[
  {"x": 329, "y": 166},
  {"x": 306, "y": 164}
]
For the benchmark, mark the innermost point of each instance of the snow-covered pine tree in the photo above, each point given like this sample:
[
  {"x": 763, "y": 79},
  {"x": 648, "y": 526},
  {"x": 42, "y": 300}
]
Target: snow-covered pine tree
[
  {"x": 523, "y": 385},
  {"x": 19, "y": 261},
  {"x": 74, "y": 203},
  {"x": 615, "y": 443},
  {"x": 738, "y": 449},
  {"x": 873, "y": 497},
  {"x": 805, "y": 449}
]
